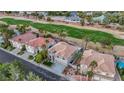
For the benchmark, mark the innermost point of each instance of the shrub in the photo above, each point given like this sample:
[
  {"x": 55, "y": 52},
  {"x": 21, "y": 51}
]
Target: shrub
[
  {"x": 48, "y": 63},
  {"x": 30, "y": 57},
  {"x": 20, "y": 53},
  {"x": 38, "y": 58}
]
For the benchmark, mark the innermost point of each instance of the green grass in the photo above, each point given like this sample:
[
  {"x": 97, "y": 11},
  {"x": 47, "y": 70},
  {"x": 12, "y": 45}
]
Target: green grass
[{"x": 95, "y": 36}]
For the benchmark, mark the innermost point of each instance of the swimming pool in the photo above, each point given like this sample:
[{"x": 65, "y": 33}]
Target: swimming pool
[{"x": 120, "y": 63}]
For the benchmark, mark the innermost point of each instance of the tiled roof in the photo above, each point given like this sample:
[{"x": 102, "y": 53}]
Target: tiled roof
[
  {"x": 63, "y": 50},
  {"x": 24, "y": 38},
  {"x": 39, "y": 42},
  {"x": 105, "y": 61}
]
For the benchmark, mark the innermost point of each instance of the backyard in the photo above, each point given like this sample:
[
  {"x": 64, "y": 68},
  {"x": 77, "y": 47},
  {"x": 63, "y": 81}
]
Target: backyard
[{"x": 95, "y": 36}]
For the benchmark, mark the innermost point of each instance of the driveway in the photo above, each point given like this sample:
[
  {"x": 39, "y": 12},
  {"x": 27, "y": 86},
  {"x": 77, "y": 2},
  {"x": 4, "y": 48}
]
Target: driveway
[
  {"x": 58, "y": 68},
  {"x": 8, "y": 58}
]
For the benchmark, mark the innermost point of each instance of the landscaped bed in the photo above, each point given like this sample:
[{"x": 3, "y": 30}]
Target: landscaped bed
[
  {"x": 48, "y": 63},
  {"x": 95, "y": 36}
]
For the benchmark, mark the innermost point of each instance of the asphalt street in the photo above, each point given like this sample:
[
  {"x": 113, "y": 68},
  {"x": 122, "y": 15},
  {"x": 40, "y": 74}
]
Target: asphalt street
[{"x": 47, "y": 75}]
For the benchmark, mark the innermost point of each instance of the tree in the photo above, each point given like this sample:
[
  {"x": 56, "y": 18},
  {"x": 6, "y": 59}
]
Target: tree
[
  {"x": 62, "y": 34},
  {"x": 49, "y": 19},
  {"x": 78, "y": 68},
  {"x": 15, "y": 71},
  {"x": 38, "y": 58},
  {"x": 41, "y": 16},
  {"x": 82, "y": 22},
  {"x": 23, "y": 48},
  {"x": 8, "y": 12},
  {"x": 22, "y": 28},
  {"x": 32, "y": 77},
  {"x": 6, "y": 33},
  {"x": 87, "y": 39},
  {"x": 121, "y": 20},
  {"x": 90, "y": 75},
  {"x": 81, "y": 14},
  {"x": 93, "y": 65},
  {"x": 106, "y": 42}
]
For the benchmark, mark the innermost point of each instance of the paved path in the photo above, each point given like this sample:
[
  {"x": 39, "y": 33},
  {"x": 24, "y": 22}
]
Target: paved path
[{"x": 8, "y": 58}]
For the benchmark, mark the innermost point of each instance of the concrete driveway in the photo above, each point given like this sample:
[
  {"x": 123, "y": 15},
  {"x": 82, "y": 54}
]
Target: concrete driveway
[{"x": 58, "y": 68}]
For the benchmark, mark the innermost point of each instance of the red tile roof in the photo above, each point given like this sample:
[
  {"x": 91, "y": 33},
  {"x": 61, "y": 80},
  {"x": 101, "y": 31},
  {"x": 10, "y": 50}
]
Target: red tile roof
[
  {"x": 24, "y": 38},
  {"x": 105, "y": 61},
  {"x": 39, "y": 42},
  {"x": 63, "y": 49}
]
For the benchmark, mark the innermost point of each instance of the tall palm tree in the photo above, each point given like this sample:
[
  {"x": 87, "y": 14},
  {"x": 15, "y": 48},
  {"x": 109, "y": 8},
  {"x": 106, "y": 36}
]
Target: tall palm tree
[
  {"x": 5, "y": 33},
  {"x": 32, "y": 77},
  {"x": 90, "y": 75},
  {"x": 22, "y": 28},
  {"x": 93, "y": 65},
  {"x": 84, "y": 46},
  {"x": 62, "y": 34}
]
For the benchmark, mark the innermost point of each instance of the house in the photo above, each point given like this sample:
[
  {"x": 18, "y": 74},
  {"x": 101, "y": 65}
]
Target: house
[
  {"x": 21, "y": 40},
  {"x": 99, "y": 19},
  {"x": 119, "y": 50},
  {"x": 62, "y": 52},
  {"x": 105, "y": 69},
  {"x": 73, "y": 17},
  {"x": 38, "y": 43}
]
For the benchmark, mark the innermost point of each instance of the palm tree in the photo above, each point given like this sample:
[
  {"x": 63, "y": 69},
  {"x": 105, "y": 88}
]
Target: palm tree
[
  {"x": 32, "y": 77},
  {"x": 84, "y": 47},
  {"x": 62, "y": 34},
  {"x": 5, "y": 33},
  {"x": 44, "y": 33},
  {"x": 8, "y": 12},
  {"x": 90, "y": 75},
  {"x": 78, "y": 68},
  {"x": 93, "y": 65},
  {"x": 22, "y": 28}
]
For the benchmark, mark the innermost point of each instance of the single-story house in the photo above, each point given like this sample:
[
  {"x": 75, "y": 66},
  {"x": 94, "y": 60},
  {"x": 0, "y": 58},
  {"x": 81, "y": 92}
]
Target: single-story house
[
  {"x": 62, "y": 52},
  {"x": 38, "y": 43},
  {"x": 105, "y": 69}
]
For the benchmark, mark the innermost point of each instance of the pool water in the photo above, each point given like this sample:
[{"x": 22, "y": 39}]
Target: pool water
[{"x": 120, "y": 63}]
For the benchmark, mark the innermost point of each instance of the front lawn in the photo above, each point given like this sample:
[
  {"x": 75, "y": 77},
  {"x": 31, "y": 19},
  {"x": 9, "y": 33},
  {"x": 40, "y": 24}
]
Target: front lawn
[{"x": 95, "y": 36}]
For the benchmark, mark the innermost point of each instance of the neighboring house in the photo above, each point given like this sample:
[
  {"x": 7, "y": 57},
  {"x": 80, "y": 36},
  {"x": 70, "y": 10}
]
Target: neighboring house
[
  {"x": 106, "y": 65},
  {"x": 21, "y": 40},
  {"x": 37, "y": 44},
  {"x": 99, "y": 19},
  {"x": 44, "y": 13},
  {"x": 73, "y": 17},
  {"x": 119, "y": 51},
  {"x": 63, "y": 53}
]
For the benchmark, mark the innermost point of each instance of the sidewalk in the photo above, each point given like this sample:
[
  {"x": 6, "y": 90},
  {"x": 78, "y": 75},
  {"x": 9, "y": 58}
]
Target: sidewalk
[{"x": 34, "y": 63}]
